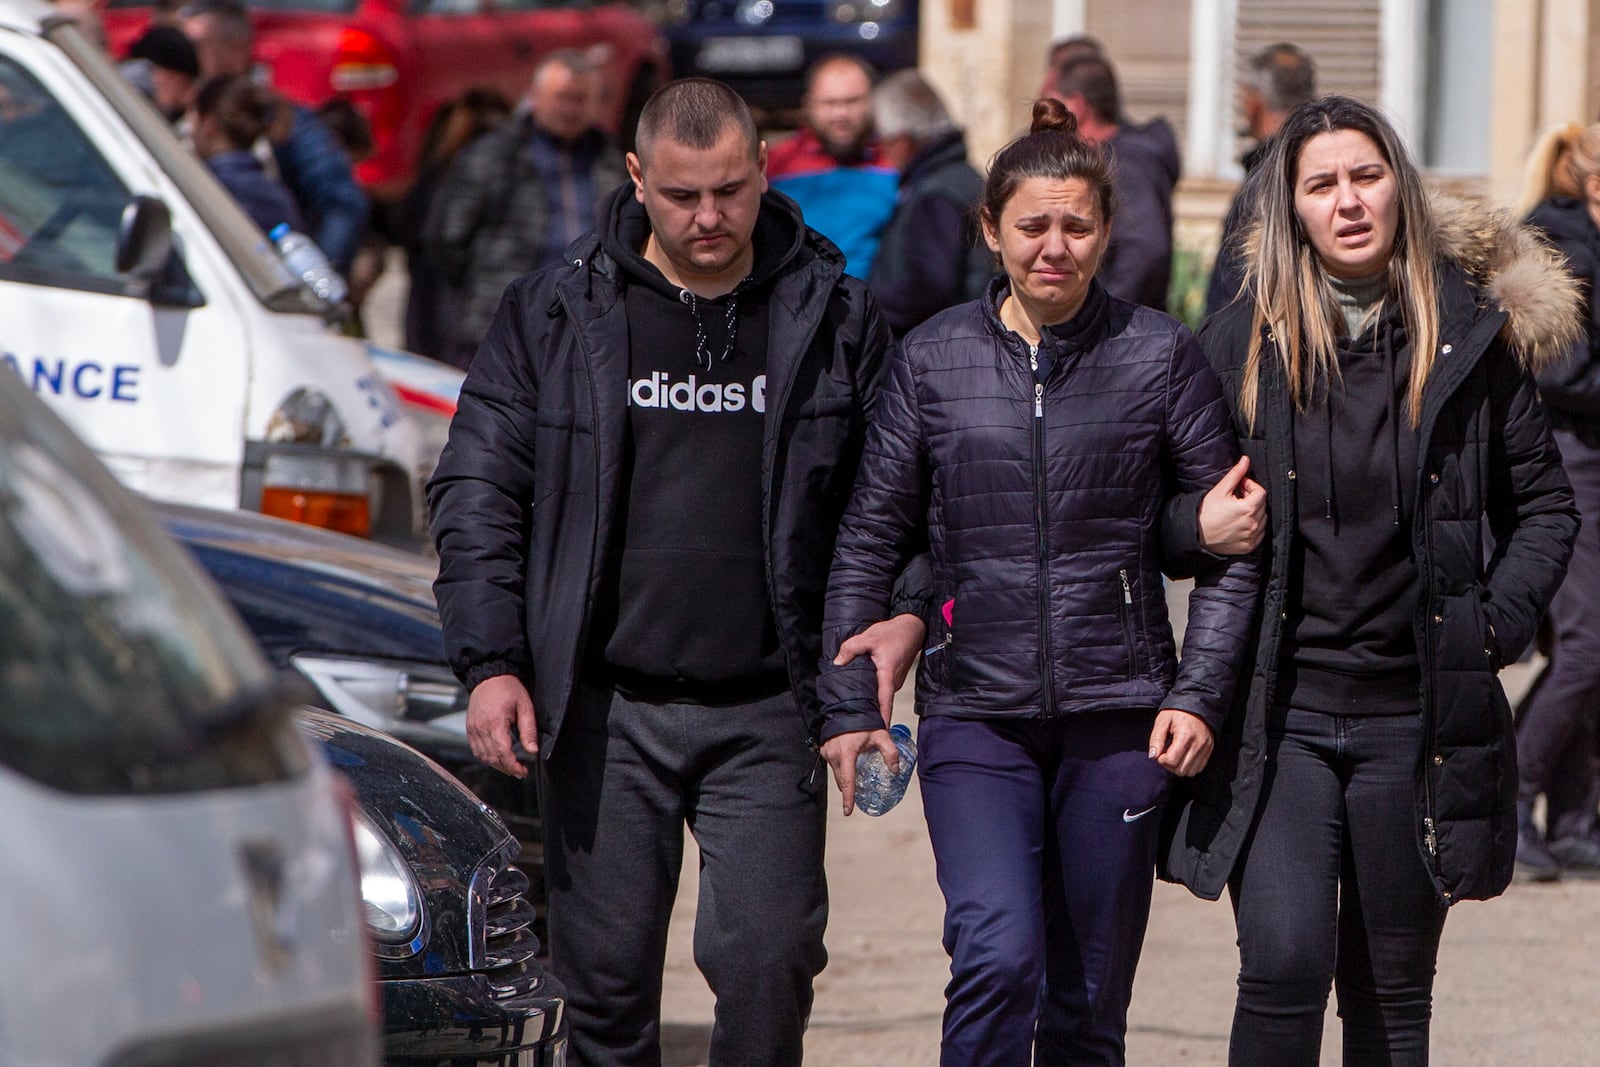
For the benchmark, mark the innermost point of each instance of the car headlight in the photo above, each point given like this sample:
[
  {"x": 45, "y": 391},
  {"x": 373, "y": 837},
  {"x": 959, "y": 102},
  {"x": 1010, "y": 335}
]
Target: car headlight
[
  {"x": 389, "y": 893},
  {"x": 307, "y": 417},
  {"x": 389, "y": 696}
]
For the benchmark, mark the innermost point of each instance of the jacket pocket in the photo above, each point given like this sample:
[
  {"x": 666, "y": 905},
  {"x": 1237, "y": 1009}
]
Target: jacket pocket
[
  {"x": 938, "y": 653},
  {"x": 1125, "y": 615}
]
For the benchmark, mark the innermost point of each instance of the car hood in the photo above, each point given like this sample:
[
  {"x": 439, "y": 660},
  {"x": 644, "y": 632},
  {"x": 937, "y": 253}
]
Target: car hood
[{"x": 302, "y": 589}]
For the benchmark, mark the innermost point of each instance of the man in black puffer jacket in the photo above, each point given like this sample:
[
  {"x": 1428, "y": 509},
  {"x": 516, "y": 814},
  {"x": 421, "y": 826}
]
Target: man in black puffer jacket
[{"x": 635, "y": 516}]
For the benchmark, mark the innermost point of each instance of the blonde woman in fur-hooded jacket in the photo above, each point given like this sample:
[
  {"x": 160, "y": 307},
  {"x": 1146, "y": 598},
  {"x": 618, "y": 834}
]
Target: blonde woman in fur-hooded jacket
[{"x": 1380, "y": 366}]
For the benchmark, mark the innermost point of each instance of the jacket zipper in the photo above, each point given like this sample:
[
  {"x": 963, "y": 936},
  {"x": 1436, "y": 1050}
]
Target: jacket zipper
[
  {"x": 594, "y": 543},
  {"x": 768, "y": 475},
  {"x": 1039, "y": 534},
  {"x": 1126, "y": 611},
  {"x": 1430, "y": 837}
]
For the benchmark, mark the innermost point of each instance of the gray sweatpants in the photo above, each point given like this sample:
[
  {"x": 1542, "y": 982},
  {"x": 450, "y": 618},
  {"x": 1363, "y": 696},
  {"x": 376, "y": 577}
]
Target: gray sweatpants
[{"x": 619, "y": 786}]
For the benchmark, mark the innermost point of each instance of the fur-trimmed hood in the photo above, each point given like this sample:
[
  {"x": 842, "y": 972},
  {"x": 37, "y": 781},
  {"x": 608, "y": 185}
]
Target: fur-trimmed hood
[{"x": 1511, "y": 263}]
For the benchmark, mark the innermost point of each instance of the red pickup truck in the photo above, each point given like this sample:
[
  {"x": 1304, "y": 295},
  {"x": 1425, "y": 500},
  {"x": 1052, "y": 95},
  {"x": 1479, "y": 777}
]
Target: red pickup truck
[{"x": 398, "y": 60}]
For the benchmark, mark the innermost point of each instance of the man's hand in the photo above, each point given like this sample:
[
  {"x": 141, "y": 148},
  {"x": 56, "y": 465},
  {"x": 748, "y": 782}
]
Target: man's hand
[
  {"x": 893, "y": 645},
  {"x": 495, "y": 706},
  {"x": 842, "y": 751},
  {"x": 1233, "y": 514},
  {"x": 1181, "y": 742}
]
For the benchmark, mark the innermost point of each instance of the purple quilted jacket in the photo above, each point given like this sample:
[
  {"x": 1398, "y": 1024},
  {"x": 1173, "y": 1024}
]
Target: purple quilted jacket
[{"x": 1041, "y": 504}]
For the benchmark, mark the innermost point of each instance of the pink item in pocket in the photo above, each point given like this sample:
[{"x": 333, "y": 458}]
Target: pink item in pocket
[{"x": 949, "y": 611}]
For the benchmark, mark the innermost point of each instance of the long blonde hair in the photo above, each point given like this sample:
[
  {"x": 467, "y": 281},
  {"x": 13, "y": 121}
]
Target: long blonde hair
[
  {"x": 1293, "y": 297},
  {"x": 1562, "y": 159}
]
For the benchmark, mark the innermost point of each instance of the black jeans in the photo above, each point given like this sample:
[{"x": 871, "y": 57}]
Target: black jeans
[
  {"x": 620, "y": 784},
  {"x": 1332, "y": 889},
  {"x": 1556, "y": 723}
]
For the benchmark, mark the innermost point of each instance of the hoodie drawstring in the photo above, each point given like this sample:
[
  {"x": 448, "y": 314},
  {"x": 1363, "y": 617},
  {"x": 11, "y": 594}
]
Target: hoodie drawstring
[{"x": 702, "y": 341}]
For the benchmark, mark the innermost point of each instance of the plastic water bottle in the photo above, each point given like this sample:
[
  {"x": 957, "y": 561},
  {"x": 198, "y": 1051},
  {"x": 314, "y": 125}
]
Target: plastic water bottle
[
  {"x": 302, "y": 256},
  {"x": 877, "y": 790}
]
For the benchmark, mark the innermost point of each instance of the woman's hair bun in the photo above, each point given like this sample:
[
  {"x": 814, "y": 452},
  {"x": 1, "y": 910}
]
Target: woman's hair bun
[{"x": 1051, "y": 116}]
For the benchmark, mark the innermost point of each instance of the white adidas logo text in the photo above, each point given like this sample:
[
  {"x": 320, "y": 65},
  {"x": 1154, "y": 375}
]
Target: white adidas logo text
[{"x": 660, "y": 391}]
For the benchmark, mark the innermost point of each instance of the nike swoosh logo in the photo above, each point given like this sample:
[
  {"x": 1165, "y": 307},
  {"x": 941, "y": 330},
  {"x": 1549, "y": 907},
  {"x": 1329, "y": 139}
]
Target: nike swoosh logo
[{"x": 1129, "y": 816}]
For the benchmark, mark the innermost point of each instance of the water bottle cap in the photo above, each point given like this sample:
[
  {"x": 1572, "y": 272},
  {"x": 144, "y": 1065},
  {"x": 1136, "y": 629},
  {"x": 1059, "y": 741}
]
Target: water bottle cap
[
  {"x": 900, "y": 730},
  {"x": 278, "y": 231}
]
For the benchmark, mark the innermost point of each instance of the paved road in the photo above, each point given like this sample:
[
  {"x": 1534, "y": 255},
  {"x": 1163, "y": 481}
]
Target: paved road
[{"x": 1519, "y": 977}]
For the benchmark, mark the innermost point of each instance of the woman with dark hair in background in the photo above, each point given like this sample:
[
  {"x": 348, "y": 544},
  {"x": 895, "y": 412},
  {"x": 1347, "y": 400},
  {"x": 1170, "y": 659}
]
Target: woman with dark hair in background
[
  {"x": 230, "y": 113},
  {"x": 1031, "y": 438},
  {"x": 1379, "y": 366},
  {"x": 1557, "y": 720}
]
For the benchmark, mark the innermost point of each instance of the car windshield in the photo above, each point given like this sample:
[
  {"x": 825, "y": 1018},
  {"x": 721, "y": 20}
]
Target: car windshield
[
  {"x": 257, "y": 261},
  {"x": 120, "y": 670}
]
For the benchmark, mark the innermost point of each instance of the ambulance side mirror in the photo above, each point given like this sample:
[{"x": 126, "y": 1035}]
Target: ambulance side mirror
[{"x": 144, "y": 239}]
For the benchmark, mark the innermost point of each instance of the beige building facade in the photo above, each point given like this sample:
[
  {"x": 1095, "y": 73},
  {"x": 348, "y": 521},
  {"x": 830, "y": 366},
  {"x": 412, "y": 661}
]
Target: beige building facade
[{"x": 1471, "y": 83}]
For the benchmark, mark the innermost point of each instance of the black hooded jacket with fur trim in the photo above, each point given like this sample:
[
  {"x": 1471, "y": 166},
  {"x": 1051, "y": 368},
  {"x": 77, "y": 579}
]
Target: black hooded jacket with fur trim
[{"x": 1493, "y": 528}]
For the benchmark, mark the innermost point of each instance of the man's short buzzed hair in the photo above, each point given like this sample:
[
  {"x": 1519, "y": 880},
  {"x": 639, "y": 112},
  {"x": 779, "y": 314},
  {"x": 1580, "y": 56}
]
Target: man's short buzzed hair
[{"x": 694, "y": 112}]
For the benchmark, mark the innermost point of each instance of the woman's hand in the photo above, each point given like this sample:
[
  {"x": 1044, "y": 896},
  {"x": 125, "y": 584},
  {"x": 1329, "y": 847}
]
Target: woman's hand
[
  {"x": 893, "y": 645},
  {"x": 842, "y": 751},
  {"x": 1181, "y": 742},
  {"x": 1233, "y": 515}
]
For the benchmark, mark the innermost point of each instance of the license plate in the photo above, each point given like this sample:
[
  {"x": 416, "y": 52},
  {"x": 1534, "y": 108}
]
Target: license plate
[{"x": 745, "y": 54}]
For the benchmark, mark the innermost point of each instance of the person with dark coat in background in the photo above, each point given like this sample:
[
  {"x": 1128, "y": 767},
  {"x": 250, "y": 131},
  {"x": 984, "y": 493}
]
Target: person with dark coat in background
[
  {"x": 1157, "y": 133},
  {"x": 515, "y": 198},
  {"x": 455, "y": 125},
  {"x": 1380, "y": 365},
  {"x": 929, "y": 257},
  {"x": 227, "y": 117},
  {"x": 1138, "y": 264},
  {"x": 1031, "y": 438},
  {"x": 307, "y": 155},
  {"x": 635, "y": 514},
  {"x": 1278, "y": 79},
  {"x": 1558, "y": 718}
]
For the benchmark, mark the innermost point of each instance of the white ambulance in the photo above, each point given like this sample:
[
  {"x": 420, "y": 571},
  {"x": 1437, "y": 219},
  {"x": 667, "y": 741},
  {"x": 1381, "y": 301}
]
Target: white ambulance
[{"x": 141, "y": 303}]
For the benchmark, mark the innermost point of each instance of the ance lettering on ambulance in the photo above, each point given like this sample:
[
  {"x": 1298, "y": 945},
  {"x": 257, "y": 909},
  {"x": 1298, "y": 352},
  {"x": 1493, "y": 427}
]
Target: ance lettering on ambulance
[{"x": 81, "y": 379}]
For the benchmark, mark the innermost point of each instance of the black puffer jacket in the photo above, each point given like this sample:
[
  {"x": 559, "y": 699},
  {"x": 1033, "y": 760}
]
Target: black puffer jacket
[
  {"x": 1042, "y": 509},
  {"x": 1487, "y": 467},
  {"x": 524, "y": 500}
]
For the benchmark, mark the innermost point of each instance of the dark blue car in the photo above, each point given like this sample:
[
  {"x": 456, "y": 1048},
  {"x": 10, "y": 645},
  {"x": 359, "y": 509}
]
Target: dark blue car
[
  {"x": 762, "y": 47},
  {"x": 456, "y": 946},
  {"x": 359, "y": 622}
]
